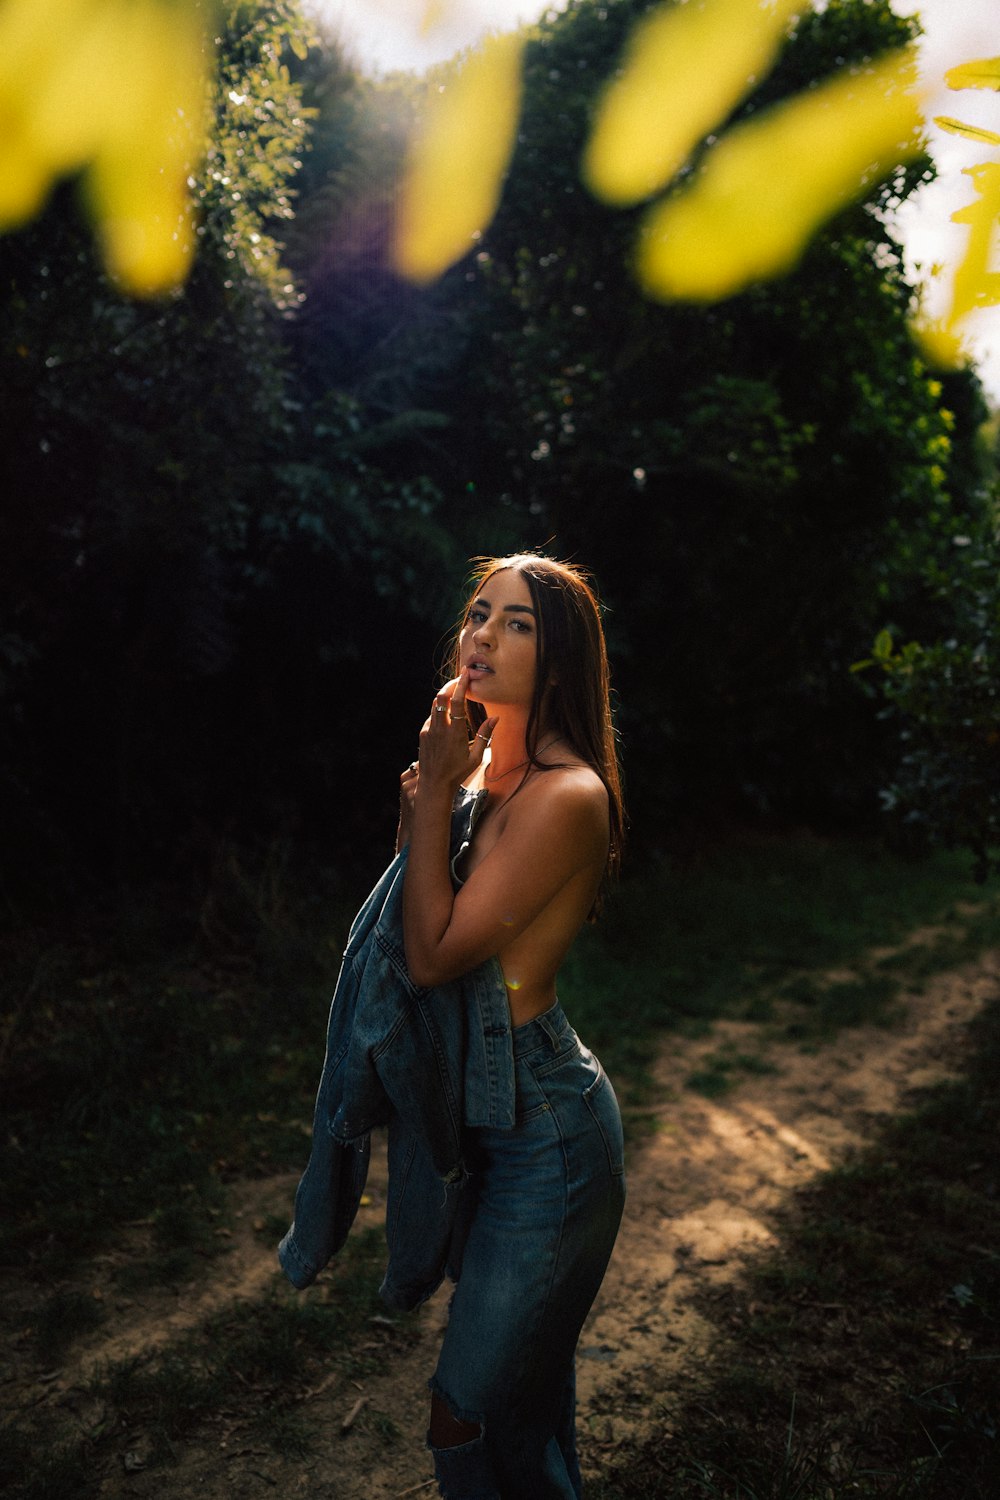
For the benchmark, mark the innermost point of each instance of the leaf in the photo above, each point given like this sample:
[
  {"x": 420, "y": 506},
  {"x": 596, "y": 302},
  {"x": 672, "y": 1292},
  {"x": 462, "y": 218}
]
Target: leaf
[
  {"x": 975, "y": 284},
  {"x": 459, "y": 160},
  {"x": 769, "y": 184},
  {"x": 115, "y": 88},
  {"x": 974, "y": 132},
  {"x": 136, "y": 186},
  {"x": 686, "y": 68},
  {"x": 984, "y": 74}
]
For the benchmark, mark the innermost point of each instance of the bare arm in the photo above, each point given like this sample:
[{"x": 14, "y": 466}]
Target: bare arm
[{"x": 553, "y": 831}]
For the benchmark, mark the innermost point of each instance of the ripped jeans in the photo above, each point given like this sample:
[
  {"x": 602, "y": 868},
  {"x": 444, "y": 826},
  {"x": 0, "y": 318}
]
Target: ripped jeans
[{"x": 536, "y": 1228}]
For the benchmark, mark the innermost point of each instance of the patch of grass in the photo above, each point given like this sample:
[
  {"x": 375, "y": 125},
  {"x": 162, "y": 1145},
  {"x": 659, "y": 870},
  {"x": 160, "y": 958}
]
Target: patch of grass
[
  {"x": 287, "y": 1430},
  {"x": 61, "y": 1320},
  {"x": 250, "y": 1364},
  {"x": 869, "y": 1000},
  {"x": 265, "y": 1350},
  {"x": 163, "y": 1077},
  {"x": 36, "y": 1464},
  {"x": 748, "y": 933},
  {"x": 385, "y": 1427},
  {"x": 862, "y": 1357},
  {"x": 719, "y": 1072}
]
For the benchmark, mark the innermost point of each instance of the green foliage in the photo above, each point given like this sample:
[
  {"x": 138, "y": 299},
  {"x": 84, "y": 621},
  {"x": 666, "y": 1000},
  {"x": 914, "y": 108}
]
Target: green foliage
[
  {"x": 235, "y": 512},
  {"x": 758, "y": 482},
  {"x": 749, "y": 930},
  {"x": 244, "y": 197},
  {"x": 944, "y": 700},
  {"x": 201, "y": 541}
]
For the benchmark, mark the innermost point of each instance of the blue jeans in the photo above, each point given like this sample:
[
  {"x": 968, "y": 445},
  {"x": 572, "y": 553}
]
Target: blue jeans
[{"x": 536, "y": 1228}]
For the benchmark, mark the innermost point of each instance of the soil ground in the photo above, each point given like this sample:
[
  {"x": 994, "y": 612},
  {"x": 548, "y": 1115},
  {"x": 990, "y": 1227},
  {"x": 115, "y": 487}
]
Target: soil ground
[{"x": 705, "y": 1179}]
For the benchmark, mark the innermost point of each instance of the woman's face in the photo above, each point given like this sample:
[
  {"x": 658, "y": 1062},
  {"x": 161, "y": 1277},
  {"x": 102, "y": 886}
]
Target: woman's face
[{"x": 499, "y": 642}]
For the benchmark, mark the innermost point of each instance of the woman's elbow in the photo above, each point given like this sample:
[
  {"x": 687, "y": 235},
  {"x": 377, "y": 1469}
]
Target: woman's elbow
[
  {"x": 422, "y": 969},
  {"x": 422, "y": 975},
  {"x": 428, "y": 970}
]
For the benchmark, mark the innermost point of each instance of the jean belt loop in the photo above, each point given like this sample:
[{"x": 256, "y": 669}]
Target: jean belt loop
[{"x": 551, "y": 1031}]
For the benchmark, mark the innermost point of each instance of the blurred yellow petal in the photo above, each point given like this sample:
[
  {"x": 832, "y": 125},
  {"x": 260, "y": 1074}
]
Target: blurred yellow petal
[
  {"x": 458, "y": 162},
  {"x": 31, "y": 32},
  {"x": 941, "y": 346},
  {"x": 972, "y": 132},
  {"x": 433, "y": 14},
  {"x": 137, "y": 183},
  {"x": 769, "y": 184},
  {"x": 24, "y": 181},
  {"x": 686, "y": 68},
  {"x": 975, "y": 284},
  {"x": 34, "y": 39},
  {"x": 145, "y": 236},
  {"x": 70, "y": 108},
  {"x": 984, "y": 74}
]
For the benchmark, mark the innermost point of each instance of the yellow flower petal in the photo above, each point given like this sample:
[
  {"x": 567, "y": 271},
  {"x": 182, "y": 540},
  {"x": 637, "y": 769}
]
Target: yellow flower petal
[
  {"x": 136, "y": 186},
  {"x": 31, "y": 33},
  {"x": 975, "y": 284},
  {"x": 686, "y": 68},
  {"x": 459, "y": 160},
  {"x": 145, "y": 231},
  {"x": 70, "y": 109},
  {"x": 24, "y": 181},
  {"x": 34, "y": 39},
  {"x": 972, "y": 132},
  {"x": 434, "y": 12},
  {"x": 942, "y": 347},
  {"x": 769, "y": 184},
  {"x": 984, "y": 74}
]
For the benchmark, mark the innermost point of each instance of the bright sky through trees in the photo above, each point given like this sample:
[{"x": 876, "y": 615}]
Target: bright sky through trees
[{"x": 388, "y": 34}]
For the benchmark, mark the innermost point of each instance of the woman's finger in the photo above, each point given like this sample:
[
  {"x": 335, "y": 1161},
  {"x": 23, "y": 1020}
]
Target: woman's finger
[
  {"x": 458, "y": 688},
  {"x": 480, "y": 740}
]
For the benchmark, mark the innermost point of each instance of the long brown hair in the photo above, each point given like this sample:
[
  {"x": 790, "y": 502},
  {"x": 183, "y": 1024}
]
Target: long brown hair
[{"x": 572, "y": 679}]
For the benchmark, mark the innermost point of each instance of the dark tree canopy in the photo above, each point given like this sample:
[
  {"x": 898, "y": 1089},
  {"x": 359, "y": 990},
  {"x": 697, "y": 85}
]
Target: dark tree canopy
[{"x": 235, "y": 522}]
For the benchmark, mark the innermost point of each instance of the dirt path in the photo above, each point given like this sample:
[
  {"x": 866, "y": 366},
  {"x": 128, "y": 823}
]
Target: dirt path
[{"x": 703, "y": 1185}]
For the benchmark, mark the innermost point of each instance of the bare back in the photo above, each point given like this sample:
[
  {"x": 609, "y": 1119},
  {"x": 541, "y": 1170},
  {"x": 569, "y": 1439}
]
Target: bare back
[{"x": 531, "y": 960}]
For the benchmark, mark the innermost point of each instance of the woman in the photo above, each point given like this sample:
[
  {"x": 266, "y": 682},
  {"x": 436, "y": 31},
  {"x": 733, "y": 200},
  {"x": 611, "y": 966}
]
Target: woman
[{"x": 537, "y": 1219}]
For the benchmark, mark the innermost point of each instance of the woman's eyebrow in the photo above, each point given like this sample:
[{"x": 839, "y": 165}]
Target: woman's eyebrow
[{"x": 520, "y": 609}]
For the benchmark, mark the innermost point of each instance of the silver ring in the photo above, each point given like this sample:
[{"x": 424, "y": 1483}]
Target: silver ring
[
  {"x": 439, "y": 708},
  {"x": 414, "y": 765},
  {"x": 483, "y": 737}
]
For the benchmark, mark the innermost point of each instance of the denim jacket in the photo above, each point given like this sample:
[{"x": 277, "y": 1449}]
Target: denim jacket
[{"x": 426, "y": 1062}]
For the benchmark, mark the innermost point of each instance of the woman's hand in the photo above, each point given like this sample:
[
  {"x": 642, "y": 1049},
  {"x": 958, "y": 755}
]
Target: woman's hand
[{"x": 447, "y": 756}]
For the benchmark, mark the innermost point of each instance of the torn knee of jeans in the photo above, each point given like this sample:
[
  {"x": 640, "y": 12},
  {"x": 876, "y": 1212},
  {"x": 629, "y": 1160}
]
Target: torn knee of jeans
[{"x": 448, "y": 1430}]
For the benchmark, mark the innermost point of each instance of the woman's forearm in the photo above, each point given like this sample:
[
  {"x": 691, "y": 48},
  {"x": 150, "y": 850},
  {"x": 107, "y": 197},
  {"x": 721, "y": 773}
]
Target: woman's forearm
[{"x": 427, "y": 893}]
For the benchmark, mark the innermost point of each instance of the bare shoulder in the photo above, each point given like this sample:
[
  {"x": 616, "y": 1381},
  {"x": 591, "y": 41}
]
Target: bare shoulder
[{"x": 570, "y": 796}]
